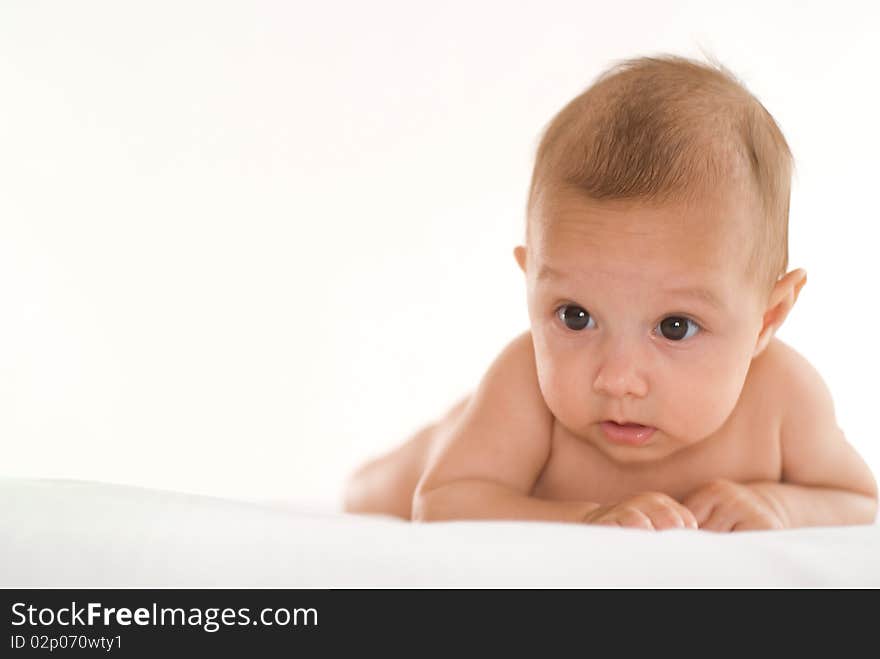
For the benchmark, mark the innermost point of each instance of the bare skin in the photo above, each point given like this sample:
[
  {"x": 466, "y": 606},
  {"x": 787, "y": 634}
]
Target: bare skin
[
  {"x": 386, "y": 484},
  {"x": 745, "y": 435},
  {"x": 576, "y": 470},
  {"x": 745, "y": 450}
]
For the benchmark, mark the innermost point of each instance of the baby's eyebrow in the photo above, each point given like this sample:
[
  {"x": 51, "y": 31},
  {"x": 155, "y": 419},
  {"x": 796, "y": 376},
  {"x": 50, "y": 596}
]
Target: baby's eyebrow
[
  {"x": 703, "y": 294},
  {"x": 696, "y": 292}
]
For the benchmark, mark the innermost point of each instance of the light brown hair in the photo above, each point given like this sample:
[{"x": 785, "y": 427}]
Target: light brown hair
[{"x": 663, "y": 129}]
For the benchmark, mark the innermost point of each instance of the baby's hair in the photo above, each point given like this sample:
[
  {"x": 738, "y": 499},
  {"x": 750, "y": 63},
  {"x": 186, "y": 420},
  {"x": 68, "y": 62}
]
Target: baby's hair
[{"x": 665, "y": 129}]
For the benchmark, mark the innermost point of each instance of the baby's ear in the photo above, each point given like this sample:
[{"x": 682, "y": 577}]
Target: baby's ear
[
  {"x": 800, "y": 284},
  {"x": 782, "y": 298},
  {"x": 519, "y": 253}
]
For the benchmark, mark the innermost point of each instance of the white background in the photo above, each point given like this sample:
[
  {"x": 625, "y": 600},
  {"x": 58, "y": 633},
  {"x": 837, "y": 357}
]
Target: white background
[{"x": 244, "y": 246}]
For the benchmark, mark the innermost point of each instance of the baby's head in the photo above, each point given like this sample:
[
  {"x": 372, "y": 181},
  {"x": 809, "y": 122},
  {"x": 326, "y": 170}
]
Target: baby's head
[{"x": 656, "y": 252}]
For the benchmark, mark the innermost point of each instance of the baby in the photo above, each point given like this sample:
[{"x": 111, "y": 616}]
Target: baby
[{"x": 650, "y": 390}]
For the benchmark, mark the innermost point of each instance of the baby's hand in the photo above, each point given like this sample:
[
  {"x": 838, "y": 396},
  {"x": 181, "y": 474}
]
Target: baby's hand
[
  {"x": 723, "y": 505},
  {"x": 649, "y": 510}
]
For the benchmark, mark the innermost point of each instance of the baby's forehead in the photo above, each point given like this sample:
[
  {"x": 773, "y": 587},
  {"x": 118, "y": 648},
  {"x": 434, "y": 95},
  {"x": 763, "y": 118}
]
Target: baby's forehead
[
  {"x": 584, "y": 267},
  {"x": 659, "y": 234},
  {"x": 639, "y": 247},
  {"x": 713, "y": 225},
  {"x": 700, "y": 210},
  {"x": 633, "y": 281}
]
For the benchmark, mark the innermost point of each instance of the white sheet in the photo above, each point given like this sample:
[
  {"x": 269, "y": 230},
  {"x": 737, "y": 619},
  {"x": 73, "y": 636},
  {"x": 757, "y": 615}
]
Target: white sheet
[{"x": 86, "y": 534}]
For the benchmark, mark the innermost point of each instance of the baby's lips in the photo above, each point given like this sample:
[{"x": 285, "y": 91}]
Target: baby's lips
[{"x": 629, "y": 435}]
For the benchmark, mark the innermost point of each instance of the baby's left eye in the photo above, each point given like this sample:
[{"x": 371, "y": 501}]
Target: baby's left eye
[{"x": 675, "y": 328}]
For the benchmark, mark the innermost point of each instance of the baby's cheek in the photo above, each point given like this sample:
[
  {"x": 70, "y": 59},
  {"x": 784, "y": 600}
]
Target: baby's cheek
[
  {"x": 565, "y": 393},
  {"x": 696, "y": 409}
]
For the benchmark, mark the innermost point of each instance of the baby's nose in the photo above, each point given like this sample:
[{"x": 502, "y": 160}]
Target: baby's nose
[
  {"x": 620, "y": 386},
  {"x": 620, "y": 375}
]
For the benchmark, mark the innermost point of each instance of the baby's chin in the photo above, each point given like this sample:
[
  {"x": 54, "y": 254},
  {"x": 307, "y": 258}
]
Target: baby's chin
[{"x": 625, "y": 455}]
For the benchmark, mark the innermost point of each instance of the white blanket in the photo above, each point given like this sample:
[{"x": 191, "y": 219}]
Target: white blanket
[{"x": 84, "y": 534}]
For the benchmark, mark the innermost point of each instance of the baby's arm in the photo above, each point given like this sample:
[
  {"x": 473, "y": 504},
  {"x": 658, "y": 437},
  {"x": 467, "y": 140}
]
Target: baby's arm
[
  {"x": 492, "y": 457},
  {"x": 489, "y": 461},
  {"x": 824, "y": 480}
]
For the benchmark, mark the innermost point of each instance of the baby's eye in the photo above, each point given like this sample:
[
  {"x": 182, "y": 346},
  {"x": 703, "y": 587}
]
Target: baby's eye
[
  {"x": 575, "y": 317},
  {"x": 675, "y": 328}
]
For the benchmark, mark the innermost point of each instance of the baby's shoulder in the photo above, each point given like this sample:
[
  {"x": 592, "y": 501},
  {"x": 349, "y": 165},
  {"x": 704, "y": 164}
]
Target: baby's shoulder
[
  {"x": 783, "y": 375},
  {"x": 511, "y": 383}
]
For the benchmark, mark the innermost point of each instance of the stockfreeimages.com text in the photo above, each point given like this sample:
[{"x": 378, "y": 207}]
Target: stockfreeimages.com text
[{"x": 210, "y": 619}]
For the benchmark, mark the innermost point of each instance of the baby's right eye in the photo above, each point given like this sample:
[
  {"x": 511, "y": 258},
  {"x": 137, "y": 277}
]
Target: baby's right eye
[{"x": 575, "y": 317}]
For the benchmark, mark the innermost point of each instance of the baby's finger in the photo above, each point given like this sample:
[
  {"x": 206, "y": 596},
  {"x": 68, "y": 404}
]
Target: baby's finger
[
  {"x": 689, "y": 519},
  {"x": 701, "y": 504},
  {"x": 667, "y": 516},
  {"x": 757, "y": 523},
  {"x": 722, "y": 519},
  {"x": 682, "y": 514},
  {"x": 634, "y": 518}
]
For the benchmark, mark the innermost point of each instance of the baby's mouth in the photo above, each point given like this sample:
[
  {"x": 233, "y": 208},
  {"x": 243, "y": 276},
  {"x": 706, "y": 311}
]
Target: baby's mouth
[{"x": 628, "y": 434}]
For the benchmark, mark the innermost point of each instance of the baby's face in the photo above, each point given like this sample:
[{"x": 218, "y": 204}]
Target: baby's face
[{"x": 643, "y": 314}]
